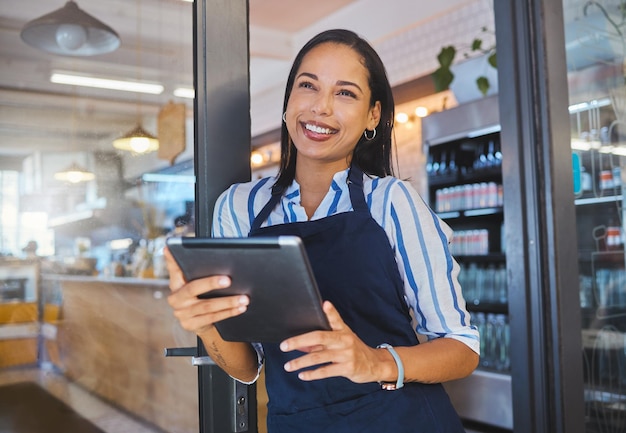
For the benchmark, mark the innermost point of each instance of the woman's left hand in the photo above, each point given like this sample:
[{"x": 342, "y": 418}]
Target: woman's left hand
[{"x": 338, "y": 352}]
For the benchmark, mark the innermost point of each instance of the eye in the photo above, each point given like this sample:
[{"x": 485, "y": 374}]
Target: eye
[
  {"x": 346, "y": 92},
  {"x": 305, "y": 85}
]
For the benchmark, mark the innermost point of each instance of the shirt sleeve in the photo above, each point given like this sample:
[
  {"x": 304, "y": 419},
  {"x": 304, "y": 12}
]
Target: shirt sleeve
[
  {"x": 421, "y": 243},
  {"x": 225, "y": 221}
]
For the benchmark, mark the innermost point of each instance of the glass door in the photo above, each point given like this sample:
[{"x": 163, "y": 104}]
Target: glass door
[{"x": 595, "y": 49}]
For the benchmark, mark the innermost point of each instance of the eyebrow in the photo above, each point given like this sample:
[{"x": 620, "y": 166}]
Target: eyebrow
[{"x": 339, "y": 83}]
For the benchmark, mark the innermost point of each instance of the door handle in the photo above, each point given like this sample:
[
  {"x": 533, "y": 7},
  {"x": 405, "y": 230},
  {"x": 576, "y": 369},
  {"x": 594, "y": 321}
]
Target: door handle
[
  {"x": 240, "y": 408},
  {"x": 189, "y": 351}
]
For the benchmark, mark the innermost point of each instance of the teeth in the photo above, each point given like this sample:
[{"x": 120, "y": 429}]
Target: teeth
[{"x": 318, "y": 129}]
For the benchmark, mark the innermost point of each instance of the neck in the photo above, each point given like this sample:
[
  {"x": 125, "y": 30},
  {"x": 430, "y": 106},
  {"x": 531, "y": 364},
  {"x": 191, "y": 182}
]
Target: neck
[
  {"x": 315, "y": 176},
  {"x": 314, "y": 181}
]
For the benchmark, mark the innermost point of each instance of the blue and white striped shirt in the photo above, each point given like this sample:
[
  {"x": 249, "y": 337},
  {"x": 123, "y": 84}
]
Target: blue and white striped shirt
[{"x": 418, "y": 237}]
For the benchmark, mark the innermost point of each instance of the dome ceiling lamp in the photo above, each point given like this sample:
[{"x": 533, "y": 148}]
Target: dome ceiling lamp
[
  {"x": 138, "y": 140},
  {"x": 71, "y": 32},
  {"x": 74, "y": 174}
]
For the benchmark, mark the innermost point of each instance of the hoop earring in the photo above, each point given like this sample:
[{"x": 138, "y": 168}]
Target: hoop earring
[
  {"x": 369, "y": 138},
  {"x": 284, "y": 119}
]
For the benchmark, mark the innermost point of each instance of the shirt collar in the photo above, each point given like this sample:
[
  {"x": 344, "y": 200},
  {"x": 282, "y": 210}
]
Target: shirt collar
[{"x": 340, "y": 178}]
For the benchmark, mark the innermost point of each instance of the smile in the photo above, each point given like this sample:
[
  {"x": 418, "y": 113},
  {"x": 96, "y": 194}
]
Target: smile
[{"x": 319, "y": 130}]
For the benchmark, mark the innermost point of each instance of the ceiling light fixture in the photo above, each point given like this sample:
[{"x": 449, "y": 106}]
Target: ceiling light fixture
[
  {"x": 70, "y": 31},
  {"x": 138, "y": 140},
  {"x": 74, "y": 174},
  {"x": 402, "y": 117},
  {"x": 421, "y": 111},
  {"x": 185, "y": 92},
  {"x": 85, "y": 80}
]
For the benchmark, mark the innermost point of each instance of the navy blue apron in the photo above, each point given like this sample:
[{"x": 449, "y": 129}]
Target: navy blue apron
[{"x": 355, "y": 268}]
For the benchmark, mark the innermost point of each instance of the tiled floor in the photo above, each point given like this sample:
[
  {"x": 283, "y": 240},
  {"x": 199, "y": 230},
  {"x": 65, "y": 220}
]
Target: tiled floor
[{"x": 103, "y": 415}]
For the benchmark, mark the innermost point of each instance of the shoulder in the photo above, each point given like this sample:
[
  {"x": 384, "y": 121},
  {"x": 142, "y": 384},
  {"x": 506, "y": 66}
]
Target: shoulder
[
  {"x": 235, "y": 208},
  {"x": 242, "y": 192},
  {"x": 392, "y": 191},
  {"x": 392, "y": 200}
]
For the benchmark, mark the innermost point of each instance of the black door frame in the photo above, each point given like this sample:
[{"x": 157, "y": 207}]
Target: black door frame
[
  {"x": 221, "y": 158},
  {"x": 542, "y": 262}
]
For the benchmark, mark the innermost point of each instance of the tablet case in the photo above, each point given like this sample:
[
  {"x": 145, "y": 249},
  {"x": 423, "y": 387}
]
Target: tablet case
[{"x": 273, "y": 271}]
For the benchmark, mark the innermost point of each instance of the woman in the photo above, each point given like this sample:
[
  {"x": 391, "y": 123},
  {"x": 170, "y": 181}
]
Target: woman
[{"x": 380, "y": 257}]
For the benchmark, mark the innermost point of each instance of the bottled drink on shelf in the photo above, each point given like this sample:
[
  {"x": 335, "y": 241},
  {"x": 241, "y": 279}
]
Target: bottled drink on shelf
[
  {"x": 491, "y": 157},
  {"x": 606, "y": 179},
  {"x": 443, "y": 165},
  {"x": 489, "y": 290},
  {"x": 429, "y": 164},
  {"x": 614, "y": 239},
  {"x": 470, "y": 242},
  {"x": 502, "y": 359},
  {"x": 470, "y": 196},
  {"x": 452, "y": 166}
]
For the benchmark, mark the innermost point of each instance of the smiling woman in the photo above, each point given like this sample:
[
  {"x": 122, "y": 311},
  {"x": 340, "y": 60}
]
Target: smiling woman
[{"x": 371, "y": 241}]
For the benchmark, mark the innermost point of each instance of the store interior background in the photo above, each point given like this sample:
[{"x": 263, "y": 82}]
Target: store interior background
[{"x": 44, "y": 127}]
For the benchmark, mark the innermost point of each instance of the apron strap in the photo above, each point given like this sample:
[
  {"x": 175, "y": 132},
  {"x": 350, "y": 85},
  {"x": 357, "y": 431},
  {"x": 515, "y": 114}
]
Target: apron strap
[
  {"x": 355, "y": 186},
  {"x": 277, "y": 192}
]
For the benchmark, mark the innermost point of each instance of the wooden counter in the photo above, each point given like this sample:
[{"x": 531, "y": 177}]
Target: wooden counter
[{"x": 110, "y": 337}]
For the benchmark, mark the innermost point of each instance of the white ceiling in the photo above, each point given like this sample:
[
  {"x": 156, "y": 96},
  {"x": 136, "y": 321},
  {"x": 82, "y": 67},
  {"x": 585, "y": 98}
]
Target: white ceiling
[{"x": 156, "y": 35}]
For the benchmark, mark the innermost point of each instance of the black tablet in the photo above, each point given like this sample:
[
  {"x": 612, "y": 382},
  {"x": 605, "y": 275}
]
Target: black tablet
[{"x": 273, "y": 271}]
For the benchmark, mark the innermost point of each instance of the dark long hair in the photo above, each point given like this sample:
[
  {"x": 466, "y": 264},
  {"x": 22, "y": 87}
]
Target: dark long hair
[{"x": 372, "y": 156}]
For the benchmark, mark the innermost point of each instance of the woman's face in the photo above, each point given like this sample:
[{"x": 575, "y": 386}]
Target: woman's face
[{"x": 329, "y": 105}]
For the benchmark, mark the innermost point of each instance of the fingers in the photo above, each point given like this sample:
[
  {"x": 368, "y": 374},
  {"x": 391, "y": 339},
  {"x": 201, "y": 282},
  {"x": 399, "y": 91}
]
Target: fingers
[
  {"x": 309, "y": 341},
  {"x": 203, "y": 314},
  {"x": 196, "y": 314},
  {"x": 335, "y": 320},
  {"x": 193, "y": 288},
  {"x": 339, "y": 352},
  {"x": 176, "y": 277},
  {"x": 326, "y": 349}
]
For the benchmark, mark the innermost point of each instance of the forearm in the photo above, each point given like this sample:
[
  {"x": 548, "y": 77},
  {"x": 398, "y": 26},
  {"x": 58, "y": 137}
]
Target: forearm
[
  {"x": 237, "y": 359},
  {"x": 439, "y": 360}
]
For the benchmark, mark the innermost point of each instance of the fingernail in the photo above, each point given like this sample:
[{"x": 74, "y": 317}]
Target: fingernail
[
  {"x": 287, "y": 367},
  {"x": 223, "y": 282},
  {"x": 284, "y": 346},
  {"x": 243, "y": 300}
]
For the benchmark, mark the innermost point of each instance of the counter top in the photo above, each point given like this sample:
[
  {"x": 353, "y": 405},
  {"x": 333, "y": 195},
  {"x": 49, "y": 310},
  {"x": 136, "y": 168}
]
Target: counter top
[{"x": 127, "y": 281}]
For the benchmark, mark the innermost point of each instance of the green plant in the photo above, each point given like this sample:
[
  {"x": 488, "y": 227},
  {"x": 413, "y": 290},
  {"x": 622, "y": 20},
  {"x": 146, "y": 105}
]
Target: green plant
[{"x": 443, "y": 76}]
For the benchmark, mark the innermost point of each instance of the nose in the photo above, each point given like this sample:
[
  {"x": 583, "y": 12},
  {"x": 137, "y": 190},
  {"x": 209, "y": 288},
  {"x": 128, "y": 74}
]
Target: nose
[{"x": 322, "y": 105}]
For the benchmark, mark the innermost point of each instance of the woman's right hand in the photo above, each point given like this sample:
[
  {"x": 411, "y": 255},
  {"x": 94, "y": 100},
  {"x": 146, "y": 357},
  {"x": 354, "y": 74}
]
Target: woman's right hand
[{"x": 200, "y": 315}]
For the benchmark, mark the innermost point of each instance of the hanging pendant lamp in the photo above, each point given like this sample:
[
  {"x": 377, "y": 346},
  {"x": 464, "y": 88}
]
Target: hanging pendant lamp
[
  {"x": 74, "y": 174},
  {"x": 137, "y": 141},
  {"x": 70, "y": 31}
]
